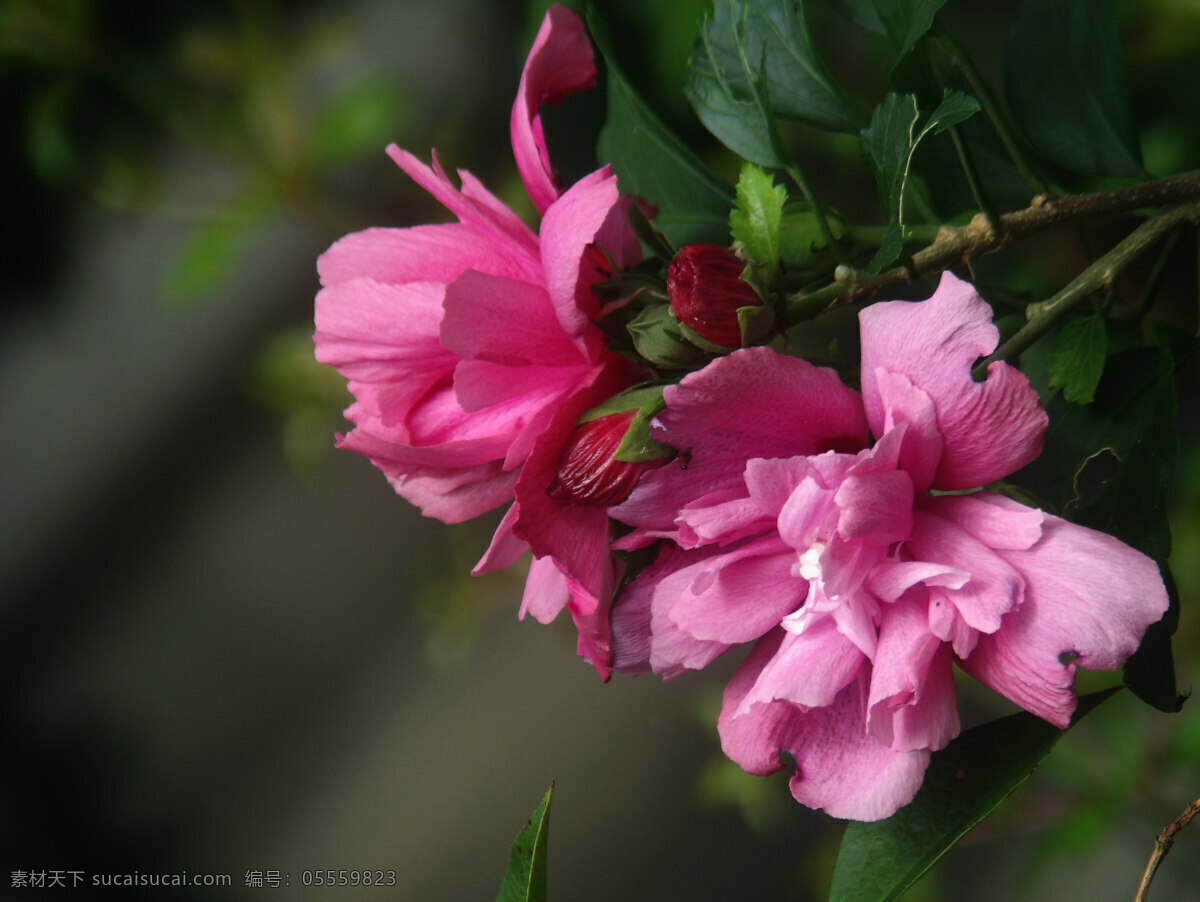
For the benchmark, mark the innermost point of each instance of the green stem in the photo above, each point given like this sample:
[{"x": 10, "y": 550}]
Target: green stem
[
  {"x": 801, "y": 181},
  {"x": 968, "y": 167},
  {"x": 991, "y": 108},
  {"x": 1101, "y": 274}
]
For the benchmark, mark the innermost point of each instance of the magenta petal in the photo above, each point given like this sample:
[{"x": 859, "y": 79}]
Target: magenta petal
[
  {"x": 751, "y": 403},
  {"x": 989, "y": 429},
  {"x": 1089, "y": 600},
  {"x": 569, "y": 226},
  {"x": 559, "y": 63},
  {"x": 996, "y": 521}
]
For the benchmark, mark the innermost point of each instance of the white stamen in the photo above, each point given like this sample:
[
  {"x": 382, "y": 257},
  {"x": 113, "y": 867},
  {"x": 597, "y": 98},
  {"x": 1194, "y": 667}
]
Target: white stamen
[{"x": 810, "y": 561}]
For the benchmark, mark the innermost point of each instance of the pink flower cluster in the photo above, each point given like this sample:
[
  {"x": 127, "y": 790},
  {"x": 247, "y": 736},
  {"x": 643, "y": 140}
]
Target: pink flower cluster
[{"x": 845, "y": 534}]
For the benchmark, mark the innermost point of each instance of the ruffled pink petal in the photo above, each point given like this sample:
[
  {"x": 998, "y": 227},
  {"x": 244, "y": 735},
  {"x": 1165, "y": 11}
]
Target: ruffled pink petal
[
  {"x": 559, "y": 63},
  {"x": 989, "y": 429},
  {"x": 839, "y": 766},
  {"x": 995, "y": 520},
  {"x": 475, "y": 207},
  {"x": 875, "y": 507},
  {"x": 672, "y": 649},
  {"x": 742, "y": 593},
  {"x": 1089, "y": 599},
  {"x": 752, "y": 403},
  {"x": 808, "y": 669},
  {"x": 427, "y": 253},
  {"x": 910, "y": 417},
  {"x": 911, "y": 704},
  {"x": 526, "y": 390},
  {"x": 994, "y": 587},
  {"x": 723, "y": 517}
]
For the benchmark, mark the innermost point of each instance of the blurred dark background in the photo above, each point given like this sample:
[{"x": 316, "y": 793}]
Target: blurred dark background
[{"x": 226, "y": 648}]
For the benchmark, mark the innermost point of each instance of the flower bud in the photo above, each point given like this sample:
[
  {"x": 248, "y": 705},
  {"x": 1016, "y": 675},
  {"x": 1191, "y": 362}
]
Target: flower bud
[
  {"x": 707, "y": 291},
  {"x": 610, "y": 449}
]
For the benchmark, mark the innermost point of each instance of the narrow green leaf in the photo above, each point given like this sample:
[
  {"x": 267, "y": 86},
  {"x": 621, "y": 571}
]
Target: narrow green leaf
[
  {"x": 964, "y": 783},
  {"x": 727, "y": 90},
  {"x": 1065, "y": 82},
  {"x": 653, "y": 163},
  {"x": 755, "y": 220},
  {"x": 525, "y": 879},
  {"x": 889, "y": 143},
  {"x": 794, "y": 77},
  {"x": 1077, "y": 361}
]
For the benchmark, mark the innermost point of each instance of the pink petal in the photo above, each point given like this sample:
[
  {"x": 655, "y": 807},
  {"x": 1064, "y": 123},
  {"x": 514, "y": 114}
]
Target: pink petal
[
  {"x": 995, "y": 520},
  {"x": 428, "y": 253},
  {"x": 559, "y": 63},
  {"x": 875, "y": 507},
  {"x": 375, "y": 332},
  {"x": 546, "y": 591},
  {"x": 752, "y": 403},
  {"x": 454, "y": 494},
  {"x": 839, "y": 766},
  {"x": 741, "y": 594},
  {"x": 1089, "y": 600},
  {"x": 568, "y": 227},
  {"x": 505, "y": 548},
  {"x": 504, "y": 321},
  {"x": 809, "y": 668},
  {"x": 995, "y": 586},
  {"x": 989, "y": 429},
  {"x": 474, "y": 206},
  {"x": 911, "y": 703}
]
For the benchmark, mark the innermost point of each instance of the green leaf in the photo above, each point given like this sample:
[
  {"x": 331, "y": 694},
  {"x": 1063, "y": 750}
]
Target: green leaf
[
  {"x": 889, "y": 143},
  {"x": 906, "y": 21},
  {"x": 653, "y": 163},
  {"x": 525, "y": 879},
  {"x": 1107, "y": 465},
  {"x": 728, "y": 94},
  {"x": 1065, "y": 82},
  {"x": 1150, "y": 671},
  {"x": 755, "y": 220},
  {"x": 1077, "y": 361},
  {"x": 965, "y": 781},
  {"x": 794, "y": 77},
  {"x": 861, "y": 12}
]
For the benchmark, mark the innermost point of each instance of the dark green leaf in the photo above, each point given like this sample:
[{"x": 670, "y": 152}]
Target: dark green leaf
[
  {"x": 737, "y": 112},
  {"x": 889, "y": 143},
  {"x": 794, "y": 78},
  {"x": 1108, "y": 465},
  {"x": 1150, "y": 671},
  {"x": 651, "y": 162},
  {"x": 861, "y": 13},
  {"x": 965, "y": 781},
  {"x": 1065, "y": 81},
  {"x": 906, "y": 21},
  {"x": 755, "y": 220},
  {"x": 1077, "y": 361},
  {"x": 525, "y": 879}
]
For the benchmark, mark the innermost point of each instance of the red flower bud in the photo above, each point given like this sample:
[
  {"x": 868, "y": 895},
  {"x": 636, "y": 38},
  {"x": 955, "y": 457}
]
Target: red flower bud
[
  {"x": 706, "y": 289},
  {"x": 588, "y": 473}
]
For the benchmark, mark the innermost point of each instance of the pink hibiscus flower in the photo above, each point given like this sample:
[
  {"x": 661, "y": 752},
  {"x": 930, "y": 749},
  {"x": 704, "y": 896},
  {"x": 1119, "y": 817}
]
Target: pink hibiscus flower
[
  {"x": 470, "y": 347},
  {"x": 859, "y": 579}
]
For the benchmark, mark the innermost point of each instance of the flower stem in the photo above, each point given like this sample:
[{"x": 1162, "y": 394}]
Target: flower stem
[
  {"x": 1162, "y": 845},
  {"x": 1101, "y": 274},
  {"x": 801, "y": 180},
  {"x": 959, "y": 245}
]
